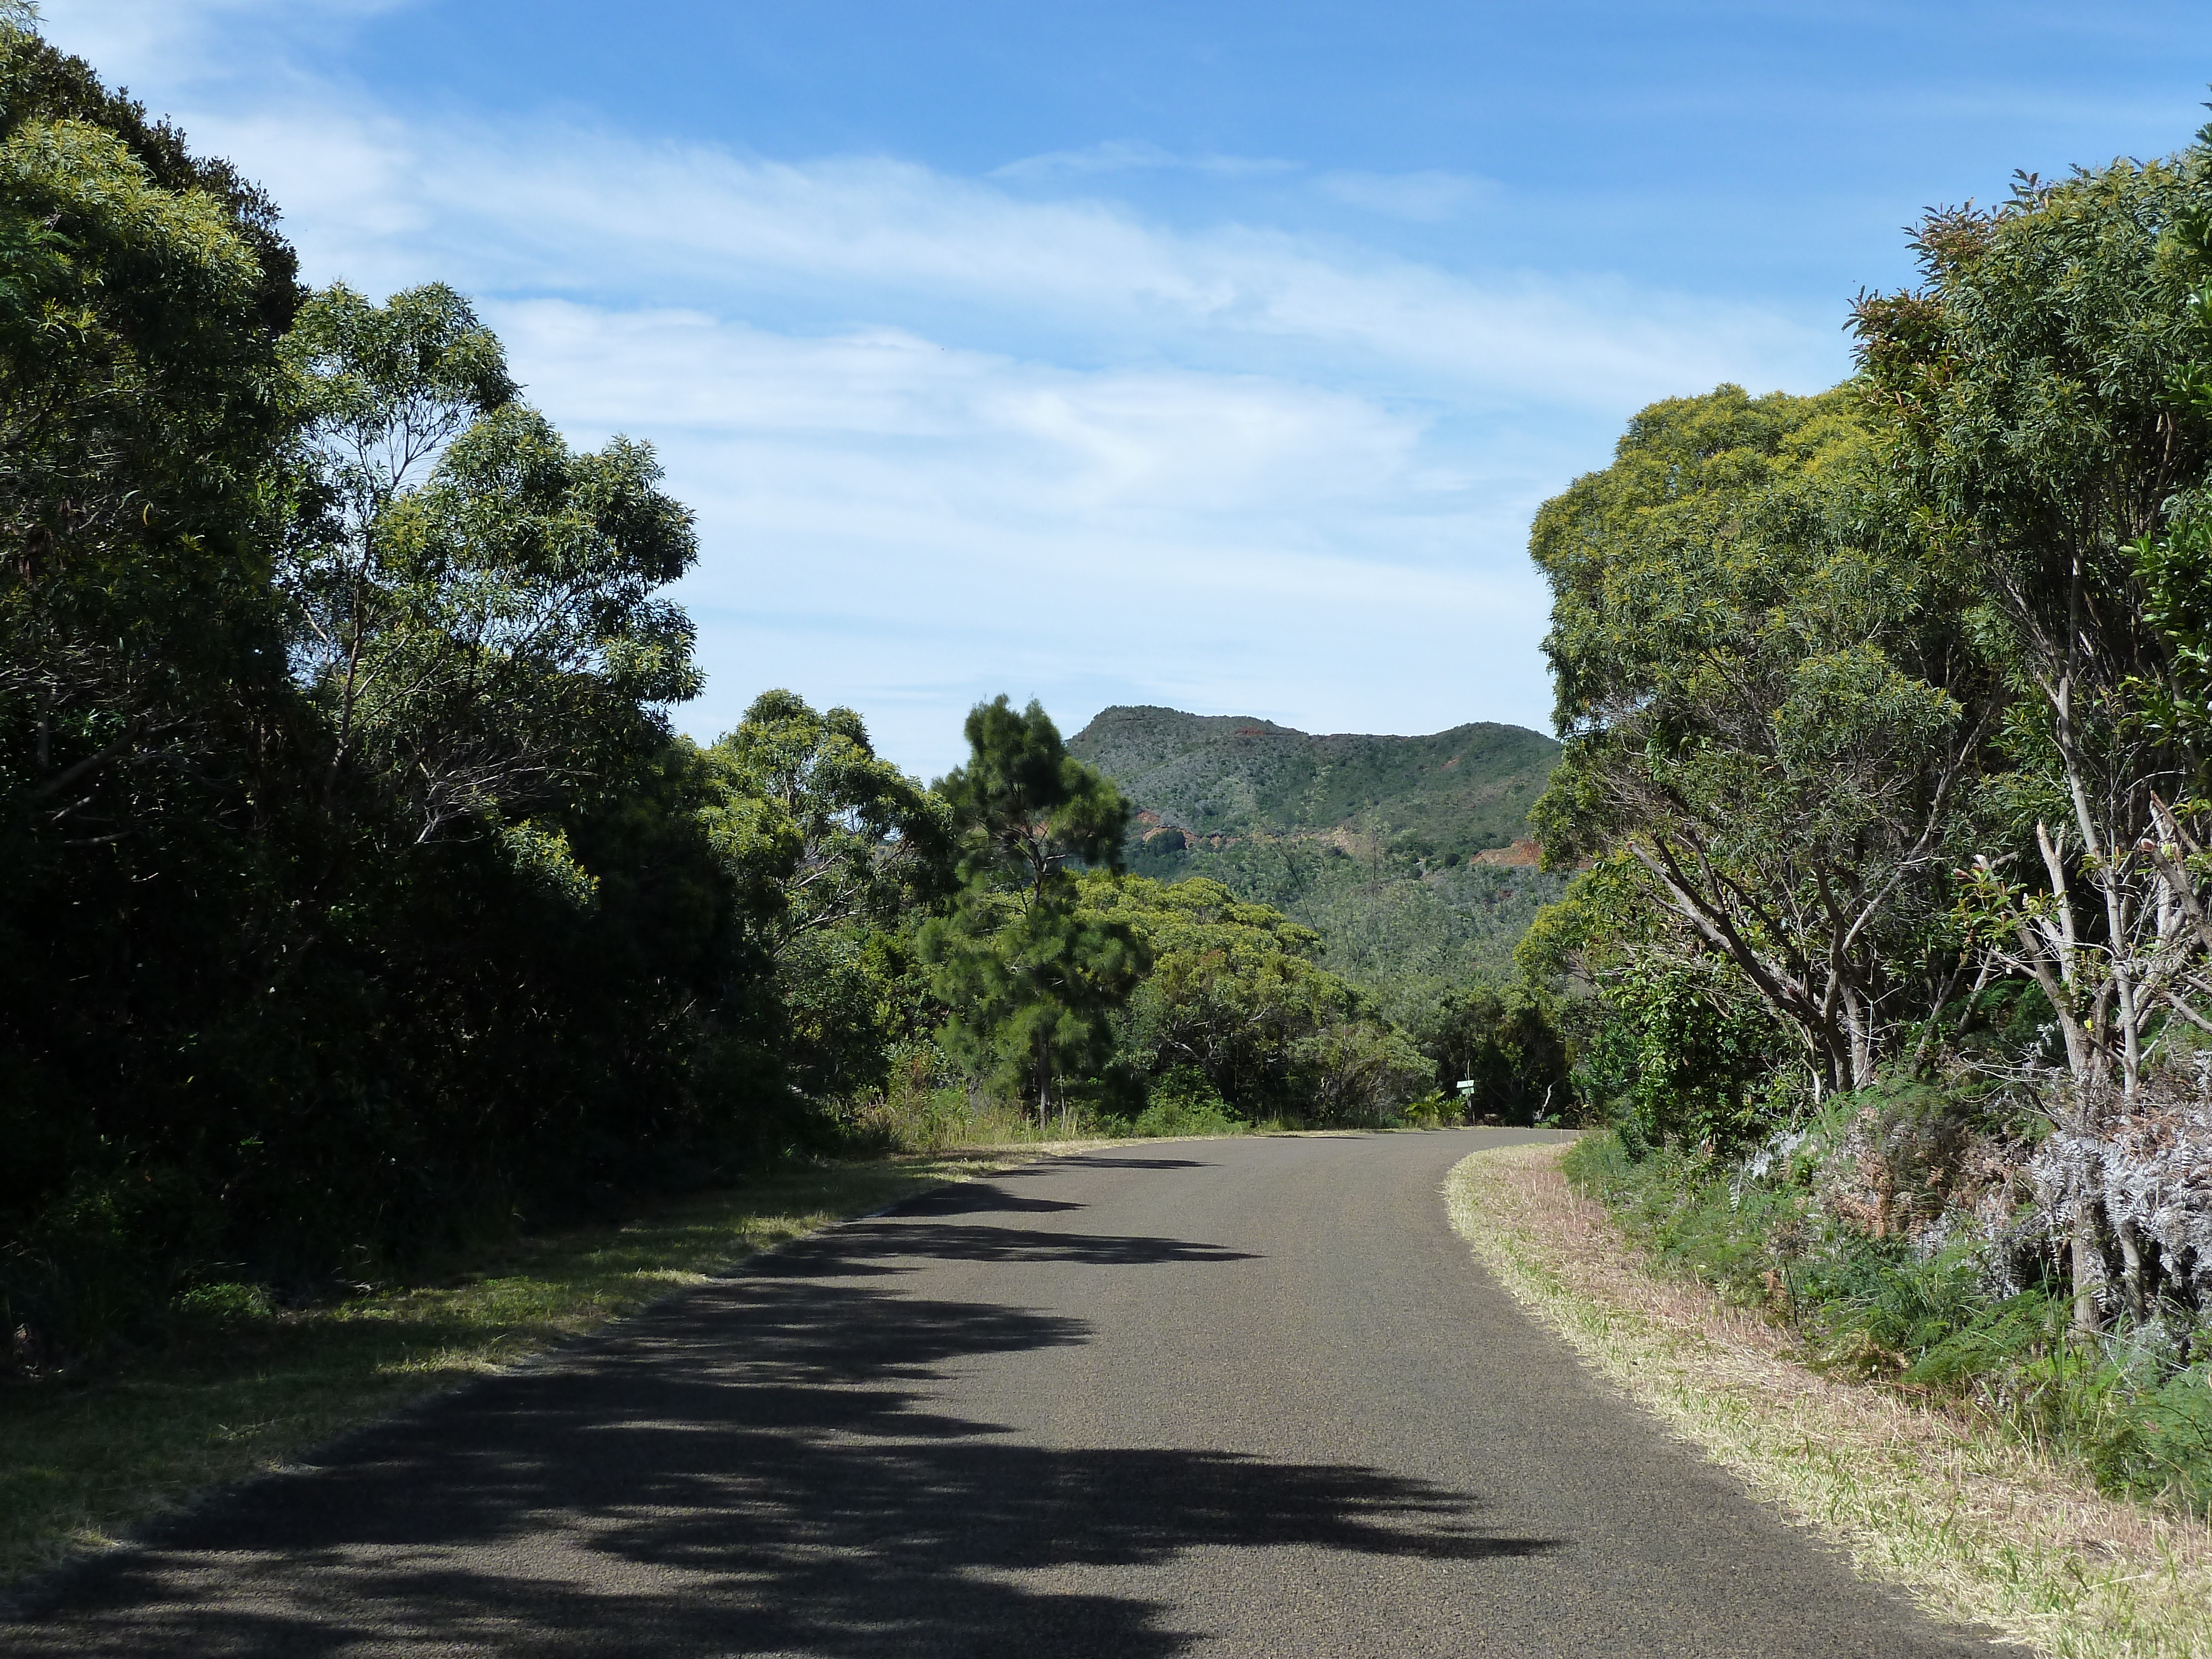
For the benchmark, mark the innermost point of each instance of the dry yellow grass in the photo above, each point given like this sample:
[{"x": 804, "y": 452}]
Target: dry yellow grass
[{"x": 1979, "y": 1528}]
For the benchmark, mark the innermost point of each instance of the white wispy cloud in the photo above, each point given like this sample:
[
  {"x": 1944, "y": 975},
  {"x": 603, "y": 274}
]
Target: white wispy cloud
[
  {"x": 1427, "y": 197},
  {"x": 547, "y": 206},
  {"x": 1135, "y": 155},
  {"x": 951, "y": 435},
  {"x": 909, "y": 526},
  {"x": 152, "y": 44}
]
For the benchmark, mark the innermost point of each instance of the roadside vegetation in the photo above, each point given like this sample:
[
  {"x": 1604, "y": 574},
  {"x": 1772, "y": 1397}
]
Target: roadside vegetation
[
  {"x": 2131, "y": 1407},
  {"x": 1886, "y": 963},
  {"x": 1991, "y": 1530}
]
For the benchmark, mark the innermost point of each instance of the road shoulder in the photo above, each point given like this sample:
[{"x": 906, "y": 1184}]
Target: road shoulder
[{"x": 1979, "y": 1530}]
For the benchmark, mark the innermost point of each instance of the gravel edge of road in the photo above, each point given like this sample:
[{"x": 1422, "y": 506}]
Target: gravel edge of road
[{"x": 1979, "y": 1530}]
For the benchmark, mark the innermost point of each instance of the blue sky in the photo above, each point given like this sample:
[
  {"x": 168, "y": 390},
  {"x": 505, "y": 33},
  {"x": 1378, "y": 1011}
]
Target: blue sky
[{"x": 1210, "y": 355}]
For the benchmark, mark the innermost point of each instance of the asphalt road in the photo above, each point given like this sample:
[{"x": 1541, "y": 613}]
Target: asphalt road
[{"x": 1215, "y": 1397}]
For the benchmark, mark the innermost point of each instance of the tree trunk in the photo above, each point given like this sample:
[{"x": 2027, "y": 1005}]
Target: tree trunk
[
  {"x": 2131, "y": 1273},
  {"x": 2089, "y": 1266}
]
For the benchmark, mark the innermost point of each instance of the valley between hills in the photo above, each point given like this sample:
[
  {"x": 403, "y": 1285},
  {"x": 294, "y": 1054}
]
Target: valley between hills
[{"x": 1409, "y": 855}]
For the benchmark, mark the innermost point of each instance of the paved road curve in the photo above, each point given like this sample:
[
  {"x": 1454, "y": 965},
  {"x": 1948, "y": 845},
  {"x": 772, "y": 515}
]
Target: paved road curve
[{"x": 1214, "y": 1397}]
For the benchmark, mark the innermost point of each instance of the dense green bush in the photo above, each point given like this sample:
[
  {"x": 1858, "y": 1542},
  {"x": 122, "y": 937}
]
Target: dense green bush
[
  {"x": 1507, "y": 1040},
  {"x": 1184, "y": 1102},
  {"x": 1236, "y": 1008},
  {"x": 2134, "y": 1405}
]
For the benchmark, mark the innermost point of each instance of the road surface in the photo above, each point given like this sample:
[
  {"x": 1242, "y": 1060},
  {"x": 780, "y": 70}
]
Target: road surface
[{"x": 1200, "y": 1397}]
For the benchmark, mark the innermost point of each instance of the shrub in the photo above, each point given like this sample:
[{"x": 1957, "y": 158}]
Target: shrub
[
  {"x": 1921, "y": 1306},
  {"x": 1184, "y": 1102}
]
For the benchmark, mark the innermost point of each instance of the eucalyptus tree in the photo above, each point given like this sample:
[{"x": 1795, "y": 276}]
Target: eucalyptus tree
[
  {"x": 1771, "y": 712},
  {"x": 833, "y": 853},
  {"x": 479, "y": 614},
  {"x": 1233, "y": 988},
  {"x": 821, "y": 830},
  {"x": 1236, "y": 992},
  {"x": 2040, "y": 395}
]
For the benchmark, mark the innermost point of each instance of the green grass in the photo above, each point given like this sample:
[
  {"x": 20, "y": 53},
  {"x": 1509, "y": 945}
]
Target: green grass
[{"x": 249, "y": 1389}]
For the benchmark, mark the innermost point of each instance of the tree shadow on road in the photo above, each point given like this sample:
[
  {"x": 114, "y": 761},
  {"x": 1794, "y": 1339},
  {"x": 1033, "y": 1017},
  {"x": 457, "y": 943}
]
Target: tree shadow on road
[
  {"x": 1102, "y": 1161},
  {"x": 889, "y": 1238},
  {"x": 754, "y": 1468},
  {"x": 977, "y": 1198},
  {"x": 886, "y": 1244}
]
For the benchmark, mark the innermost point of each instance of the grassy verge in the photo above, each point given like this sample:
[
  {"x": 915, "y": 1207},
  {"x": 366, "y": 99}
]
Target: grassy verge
[
  {"x": 915, "y": 1116},
  {"x": 79, "y": 1464},
  {"x": 1980, "y": 1527}
]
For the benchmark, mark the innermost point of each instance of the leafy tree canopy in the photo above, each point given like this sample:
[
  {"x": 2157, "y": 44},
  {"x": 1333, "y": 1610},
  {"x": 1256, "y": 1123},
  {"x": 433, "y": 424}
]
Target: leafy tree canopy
[
  {"x": 1235, "y": 994},
  {"x": 822, "y": 829},
  {"x": 1772, "y": 704},
  {"x": 480, "y": 619},
  {"x": 141, "y": 414}
]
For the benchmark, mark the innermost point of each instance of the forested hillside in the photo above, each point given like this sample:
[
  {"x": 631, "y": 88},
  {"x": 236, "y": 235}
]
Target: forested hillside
[
  {"x": 1399, "y": 852},
  {"x": 1440, "y": 798}
]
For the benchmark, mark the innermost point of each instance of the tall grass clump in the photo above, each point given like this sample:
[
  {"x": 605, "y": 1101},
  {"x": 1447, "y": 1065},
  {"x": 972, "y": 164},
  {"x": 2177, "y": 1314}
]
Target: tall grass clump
[{"x": 930, "y": 1104}]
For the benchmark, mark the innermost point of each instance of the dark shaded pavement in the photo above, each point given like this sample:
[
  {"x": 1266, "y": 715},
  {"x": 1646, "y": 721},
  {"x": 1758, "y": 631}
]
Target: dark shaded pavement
[{"x": 1222, "y": 1397}]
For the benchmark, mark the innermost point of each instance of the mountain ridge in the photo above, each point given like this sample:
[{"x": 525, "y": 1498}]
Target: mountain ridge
[
  {"x": 1409, "y": 856},
  {"x": 1446, "y": 795}
]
